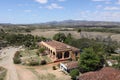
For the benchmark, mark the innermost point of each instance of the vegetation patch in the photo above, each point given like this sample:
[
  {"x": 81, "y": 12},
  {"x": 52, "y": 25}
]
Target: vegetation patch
[{"x": 3, "y": 72}]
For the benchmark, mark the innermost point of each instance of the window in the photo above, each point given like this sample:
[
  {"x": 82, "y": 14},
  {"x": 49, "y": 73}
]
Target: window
[
  {"x": 76, "y": 53},
  {"x": 66, "y": 54},
  {"x": 59, "y": 55},
  {"x": 53, "y": 53}
]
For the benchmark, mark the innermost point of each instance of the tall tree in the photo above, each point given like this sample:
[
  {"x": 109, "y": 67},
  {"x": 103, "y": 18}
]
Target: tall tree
[
  {"x": 89, "y": 61},
  {"x": 59, "y": 37},
  {"x": 79, "y": 31}
]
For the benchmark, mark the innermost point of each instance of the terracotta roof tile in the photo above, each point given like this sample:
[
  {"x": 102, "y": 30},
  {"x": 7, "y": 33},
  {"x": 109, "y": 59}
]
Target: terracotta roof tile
[
  {"x": 106, "y": 73},
  {"x": 59, "y": 46},
  {"x": 71, "y": 65}
]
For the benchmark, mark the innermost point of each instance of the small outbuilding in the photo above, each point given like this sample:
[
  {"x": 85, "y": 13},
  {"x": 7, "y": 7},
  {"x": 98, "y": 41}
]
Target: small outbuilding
[{"x": 68, "y": 66}]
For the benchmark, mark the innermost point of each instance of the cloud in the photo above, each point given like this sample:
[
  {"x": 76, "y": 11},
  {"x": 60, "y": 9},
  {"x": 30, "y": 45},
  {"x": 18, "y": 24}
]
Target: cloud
[
  {"x": 54, "y": 6},
  {"x": 118, "y": 2},
  {"x": 106, "y": 1},
  {"x": 42, "y": 1},
  {"x": 111, "y": 8},
  {"x": 103, "y": 15},
  {"x": 99, "y": 0},
  {"x": 28, "y": 10},
  {"x": 61, "y": 0}
]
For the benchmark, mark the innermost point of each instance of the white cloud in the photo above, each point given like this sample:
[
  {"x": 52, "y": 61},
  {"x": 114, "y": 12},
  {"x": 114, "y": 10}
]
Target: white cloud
[
  {"x": 28, "y": 10},
  {"x": 100, "y": 16},
  {"x": 42, "y": 1},
  {"x": 61, "y": 0},
  {"x": 106, "y": 1},
  {"x": 111, "y": 8},
  {"x": 99, "y": 0},
  {"x": 54, "y": 6},
  {"x": 118, "y": 2}
]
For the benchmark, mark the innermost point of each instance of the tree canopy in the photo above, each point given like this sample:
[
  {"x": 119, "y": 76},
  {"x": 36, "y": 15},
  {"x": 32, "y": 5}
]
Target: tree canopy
[
  {"x": 59, "y": 37},
  {"x": 89, "y": 61}
]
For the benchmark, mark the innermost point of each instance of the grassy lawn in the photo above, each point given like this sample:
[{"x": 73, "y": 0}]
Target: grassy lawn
[
  {"x": 47, "y": 59},
  {"x": 28, "y": 52},
  {"x": 29, "y": 55}
]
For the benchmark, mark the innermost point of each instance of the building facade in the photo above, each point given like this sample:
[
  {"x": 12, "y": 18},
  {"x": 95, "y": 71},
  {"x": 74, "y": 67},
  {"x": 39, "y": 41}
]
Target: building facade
[{"x": 68, "y": 66}]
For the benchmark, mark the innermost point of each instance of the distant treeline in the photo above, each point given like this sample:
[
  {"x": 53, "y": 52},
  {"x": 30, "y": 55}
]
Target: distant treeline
[{"x": 110, "y": 30}]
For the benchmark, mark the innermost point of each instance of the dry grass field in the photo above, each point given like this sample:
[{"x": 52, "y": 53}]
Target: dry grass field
[{"x": 49, "y": 33}]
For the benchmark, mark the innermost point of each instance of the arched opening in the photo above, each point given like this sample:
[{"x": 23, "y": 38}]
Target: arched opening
[
  {"x": 59, "y": 55},
  {"x": 76, "y": 53},
  {"x": 66, "y": 54},
  {"x": 53, "y": 53}
]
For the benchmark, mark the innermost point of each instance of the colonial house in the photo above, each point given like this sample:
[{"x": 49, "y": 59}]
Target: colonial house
[
  {"x": 68, "y": 66},
  {"x": 59, "y": 51}
]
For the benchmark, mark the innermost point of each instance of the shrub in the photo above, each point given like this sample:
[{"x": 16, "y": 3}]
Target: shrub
[
  {"x": 3, "y": 72},
  {"x": 54, "y": 67},
  {"x": 41, "y": 50},
  {"x": 43, "y": 62},
  {"x": 16, "y": 58},
  {"x": 33, "y": 62},
  {"x": 74, "y": 73}
]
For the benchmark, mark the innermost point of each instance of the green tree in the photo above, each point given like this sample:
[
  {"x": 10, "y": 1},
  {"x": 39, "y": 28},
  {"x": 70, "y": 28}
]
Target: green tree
[
  {"x": 74, "y": 73},
  {"x": 89, "y": 61},
  {"x": 41, "y": 50},
  {"x": 117, "y": 66},
  {"x": 79, "y": 31},
  {"x": 69, "y": 39},
  {"x": 59, "y": 37}
]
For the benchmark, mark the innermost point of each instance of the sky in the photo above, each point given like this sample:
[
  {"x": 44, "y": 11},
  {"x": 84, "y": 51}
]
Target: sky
[{"x": 39, "y": 11}]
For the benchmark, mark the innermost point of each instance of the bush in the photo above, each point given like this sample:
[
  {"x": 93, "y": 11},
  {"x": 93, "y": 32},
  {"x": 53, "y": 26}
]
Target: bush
[
  {"x": 34, "y": 62},
  {"x": 16, "y": 58},
  {"x": 41, "y": 50},
  {"x": 54, "y": 67},
  {"x": 3, "y": 72},
  {"x": 43, "y": 62},
  {"x": 74, "y": 73}
]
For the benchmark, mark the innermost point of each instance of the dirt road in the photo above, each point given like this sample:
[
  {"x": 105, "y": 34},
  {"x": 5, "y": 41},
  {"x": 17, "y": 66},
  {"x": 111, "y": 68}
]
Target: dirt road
[
  {"x": 7, "y": 62},
  {"x": 21, "y": 72}
]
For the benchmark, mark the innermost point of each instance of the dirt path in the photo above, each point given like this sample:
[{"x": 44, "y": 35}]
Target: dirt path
[
  {"x": 25, "y": 74},
  {"x": 7, "y": 62},
  {"x": 20, "y": 72}
]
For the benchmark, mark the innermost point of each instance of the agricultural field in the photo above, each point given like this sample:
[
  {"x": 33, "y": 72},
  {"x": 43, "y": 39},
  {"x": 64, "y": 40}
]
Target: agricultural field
[{"x": 49, "y": 33}]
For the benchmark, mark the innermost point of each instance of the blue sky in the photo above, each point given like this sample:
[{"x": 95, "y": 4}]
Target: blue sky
[{"x": 37, "y": 11}]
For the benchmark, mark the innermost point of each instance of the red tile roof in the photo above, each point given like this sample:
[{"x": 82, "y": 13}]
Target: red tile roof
[
  {"x": 59, "y": 46},
  {"x": 106, "y": 73},
  {"x": 71, "y": 65}
]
